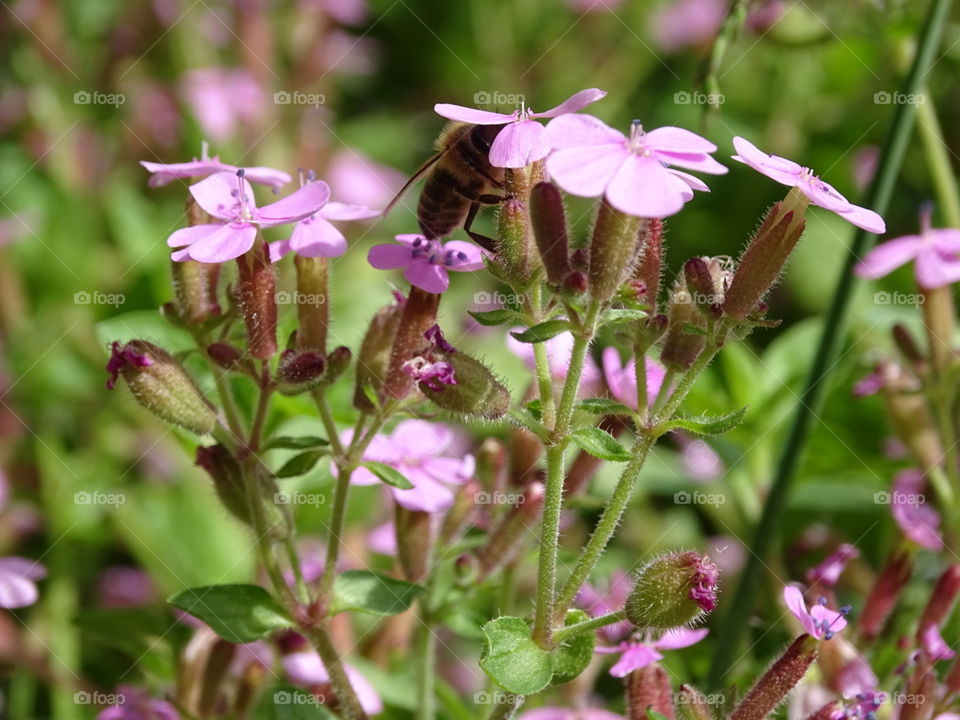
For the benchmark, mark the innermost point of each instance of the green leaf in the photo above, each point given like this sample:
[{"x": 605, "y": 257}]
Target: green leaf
[
  {"x": 390, "y": 475},
  {"x": 237, "y": 613},
  {"x": 512, "y": 658},
  {"x": 604, "y": 406},
  {"x": 372, "y": 592},
  {"x": 300, "y": 464},
  {"x": 286, "y": 702},
  {"x": 306, "y": 442},
  {"x": 654, "y": 715},
  {"x": 623, "y": 315},
  {"x": 572, "y": 657},
  {"x": 491, "y": 318},
  {"x": 601, "y": 444},
  {"x": 706, "y": 425},
  {"x": 535, "y": 408},
  {"x": 543, "y": 331}
]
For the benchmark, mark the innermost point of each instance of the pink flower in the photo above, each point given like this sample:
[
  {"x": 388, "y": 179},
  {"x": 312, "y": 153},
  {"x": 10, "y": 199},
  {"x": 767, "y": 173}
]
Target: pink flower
[
  {"x": 687, "y": 23},
  {"x": 562, "y": 713},
  {"x": 17, "y": 586},
  {"x": 828, "y": 572},
  {"x": 522, "y": 140},
  {"x": 597, "y": 602},
  {"x": 164, "y": 173},
  {"x": 223, "y": 99},
  {"x": 820, "y": 193},
  {"x": 820, "y": 622},
  {"x": 701, "y": 461},
  {"x": 592, "y": 159},
  {"x": 622, "y": 380},
  {"x": 415, "y": 448},
  {"x": 918, "y": 521},
  {"x": 229, "y": 197},
  {"x": 316, "y": 236},
  {"x": 361, "y": 181},
  {"x": 383, "y": 539},
  {"x": 935, "y": 252},
  {"x": 125, "y": 586},
  {"x": 559, "y": 348},
  {"x": 934, "y": 645},
  {"x": 136, "y": 704},
  {"x": 426, "y": 262},
  {"x": 306, "y": 668},
  {"x": 635, "y": 654}
]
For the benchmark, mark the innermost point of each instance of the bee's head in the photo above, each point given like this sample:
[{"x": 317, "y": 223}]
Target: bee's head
[{"x": 484, "y": 135}]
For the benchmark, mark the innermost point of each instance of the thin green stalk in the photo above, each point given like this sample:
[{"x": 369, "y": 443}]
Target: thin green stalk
[
  {"x": 326, "y": 417},
  {"x": 263, "y": 406},
  {"x": 426, "y": 669},
  {"x": 350, "y": 706},
  {"x": 506, "y": 709},
  {"x": 664, "y": 393},
  {"x": 335, "y": 531},
  {"x": 590, "y": 625},
  {"x": 640, "y": 372},
  {"x": 878, "y": 197},
  {"x": 542, "y": 363}
]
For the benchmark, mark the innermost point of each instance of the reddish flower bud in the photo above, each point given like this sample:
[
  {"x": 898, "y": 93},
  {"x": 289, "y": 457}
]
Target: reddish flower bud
[
  {"x": 419, "y": 315},
  {"x": 460, "y": 515},
  {"x": 338, "y": 360},
  {"x": 375, "y": 353},
  {"x": 883, "y": 596},
  {"x": 256, "y": 290},
  {"x": 161, "y": 385},
  {"x": 299, "y": 372},
  {"x": 646, "y": 277},
  {"x": 779, "y": 680},
  {"x": 941, "y": 601},
  {"x": 195, "y": 289},
  {"x": 525, "y": 451},
  {"x": 312, "y": 307},
  {"x": 672, "y": 590},
  {"x": 613, "y": 250},
  {"x": 575, "y": 283},
  {"x": 229, "y": 357},
  {"x": 704, "y": 291},
  {"x": 550, "y": 231},
  {"x": 515, "y": 259},
  {"x": 414, "y": 542},
  {"x": 648, "y": 688},
  {"x": 906, "y": 344},
  {"x": 683, "y": 343}
]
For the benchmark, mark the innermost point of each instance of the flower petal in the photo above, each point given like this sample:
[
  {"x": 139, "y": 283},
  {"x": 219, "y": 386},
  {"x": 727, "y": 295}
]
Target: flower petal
[
  {"x": 471, "y": 115},
  {"x": 777, "y": 168},
  {"x": 421, "y": 439},
  {"x": 793, "y": 597},
  {"x": 266, "y": 176},
  {"x": 934, "y": 271},
  {"x": 518, "y": 145},
  {"x": 586, "y": 171},
  {"x": 643, "y": 187},
  {"x": 946, "y": 240},
  {"x": 693, "y": 161},
  {"x": 192, "y": 234},
  {"x": 426, "y": 495},
  {"x": 865, "y": 219},
  {"x": 278, "y": 249},
  {"x": 474, "y": 255},
  {"x": 577, "y": 130},
  {"x": 636, "y": 656},
  {"x": 388, "y": 257},
  {"x": 295, "y": 206},
  {"x": 215, "y": 194},
  {"x": 677, "y": 140},
  {"x": 343, "y": 211},
  {"x": 315, "y": 237},
  {"x": 575, "y": 102},
  {"x": 680, "y": 638},
  {"x": 887, "y": 257},
  {"x": 230, "y": 241},
  {"x": 428, "y": 277}
]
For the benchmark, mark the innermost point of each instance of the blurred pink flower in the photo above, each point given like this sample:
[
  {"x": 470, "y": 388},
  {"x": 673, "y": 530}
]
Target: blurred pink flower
[
  {"x": 864, "y": 163},
  {"x": 346, "y": 12},
  {"x": 125, "y": 586},
  {"x": 687, "y": 23},
  {"x": 14, "y": 228},
  {"x": 591, "y": 159},
  {"x": 821, "y": 194},
  {"x": 828, "y": 572},
  {"x": 765, "y": 15},
  {"x": 622, "y": 381},
  {"x": 346, "y": 54},
  {"x": 17, "y": 586},
  {"x": 727, "y": 552},
  {"x": 521, "y": 141},
  {"x": 934, "y": 645},
  {"x": 602, "y": 602},
  {"x": 416, "y": 449},
  {"x": 229, "y": 197},
  {"x": 358, "y": 180},
  {"x": 935, "y": 252},
  {"x": 918, "y": 520},
  {"x": 163, "y": 173},
  {"x": 306, "y": 668},
  {"x": 559, "y": 348},
  {"x": 426, "y": 262},
  {"x": 701, "y": 462},
  {"x": 136, "y": 704},
  {"x": 383, "y": 539},
  {"x": 222, "y": 99},
  {"x": 636, "y": 654},
  {"x": 316, "y": 236},
  {"x": 820, "y": 622}
]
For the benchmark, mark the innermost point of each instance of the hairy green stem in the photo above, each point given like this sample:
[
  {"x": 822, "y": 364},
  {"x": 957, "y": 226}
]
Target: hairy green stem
[
  {"x": 350, "y": 706},
  {"x": 542, "y": 363},
  {"x": 565, "y": 633}
]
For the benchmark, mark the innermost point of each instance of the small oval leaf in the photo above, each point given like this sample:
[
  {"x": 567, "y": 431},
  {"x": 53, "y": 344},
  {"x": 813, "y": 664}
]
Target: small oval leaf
[
  {"x": 491, "y": 318},
  {"x": 542, "y": 331},
  {"x": 706, "y": 425},
  {"x": 307, "y": 442},
  {"x": 572, "y": 657},
  {"x": 390, "y": 475},
  {"x": 601, "y": 444},
  {"x": 237, "y": 613},
  {"x": 604, "y": 406},
  {"x": 511, "y": 657},
  {"x": 300, "y": 464},
  {"x": 372, "y": 592}
]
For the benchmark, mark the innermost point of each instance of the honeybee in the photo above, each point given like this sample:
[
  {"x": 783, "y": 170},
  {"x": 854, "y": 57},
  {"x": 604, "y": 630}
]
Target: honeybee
[{"x": 459, "y": 180}]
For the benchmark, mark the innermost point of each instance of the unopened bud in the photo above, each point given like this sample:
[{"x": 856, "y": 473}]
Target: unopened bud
[
  {"x": 476, "y": 391},
  {"x": 770, "y": 690},
  {"x": 214, "y": 674},
  {"x": 460, "y": 515},
  {"x": 414, "y": 541},
  {"x": 299, "y": 372},
  {"x": 338, "y": 360},
  {"x": 491, "y": 461},
  {"x": 256, "y": 289},
  {"x": 161, "y": 385},
  {"x": 575, "y": 283},
  {"x": 419, "y": 315},
  {"x": 914, "y": 424},
  {"x": 515, "y": 258},
  {"x": 672, "y": 590},
  {"x": 228, "y": 357},
  {"x": 613, "y": 250},
  {"x": 702, "y": 286},
  {"x": 646, "y": 277},
  {"x": 313, "y": 313},
  {"x": 692, "y": 704},
  {"x": 942, "y": 598},
  {"x": 195, "y": 289},
  {"x": 550, "y": 231},
  {"x": 504, "y": 541},
  {"x": 906, "y": 344},
  {"x": 683, "y": 343},
  {"x": 766, "y": 255},
  {"x": 648, "y": 688},
  {"x": 525, "y": 452},
  {"x": 886, "y": 590},
  {"x": 375, "y": 353}
]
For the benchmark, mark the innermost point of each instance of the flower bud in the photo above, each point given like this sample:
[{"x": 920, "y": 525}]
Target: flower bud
[
  {"x": 375, "y": 353},
  {"x": 338, "y": 360},
  {"x": 702, "y": 287},
  {"x": 504, "y": 541},
  {"x": 515, "y": 259},
  {"x": 299, "y": 372},
  {"x": 256, "y": 290},
  {"x": 550, "y": 231},
  {"x": 161, "y": 385},
  {"x": 460, "y": 515},
  {"x": 779, "y": 680},
  {"x": 575, "y": 283},
  {"x": 525, "y": 451},
  {"x": 646, "y": 277},
  {"x": 906, "y": 344},
  {"x": 766, "y": 255},
  {"x": 941, "y": 601},
  {"x": 922, "y": 688},
  {"x": 649, "y": 688},
  {"x": 214, "y": 674},
  {"x": 672, "y": 590},
  {"x": 914, "y": 424},
  {"x": 414, "y": 541},
  {"x": 228, "y": 357},
  {"x": 476, "y": 391},
  {"x": 195, "y": 283},
  {"x": 683, "y": 344},
  {"x": 312, "y": 311},
  {"x": 613, "y": 250},
  {"x": 691, "y": 704},
  {"x": 491, "y": 461},
  {"x": 883, "y": 596},
  {"x": 419, "y": 315}
]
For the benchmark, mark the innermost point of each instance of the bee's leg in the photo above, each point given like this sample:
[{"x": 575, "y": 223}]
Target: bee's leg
[{"x": 482, "y": 240}]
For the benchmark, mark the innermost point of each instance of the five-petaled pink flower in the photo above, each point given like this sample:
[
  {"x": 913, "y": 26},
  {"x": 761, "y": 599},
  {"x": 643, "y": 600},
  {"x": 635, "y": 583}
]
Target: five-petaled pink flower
[
  {"x": 229, "y": 197},
  {"x": 426, "y": 262},
  {"x": 521, "y": 141},
  {"x": 17, "y": 581},
  {"x": 636, "y": 654},
  {"x": 935, "y": 252},
  {"x": 819, "y": 621},
  {"x": 919, "y": 521},
  {"x": 416, "y": 449},
  {"x": 791, "y": 174},
  {"x": 591, "y": 159}
]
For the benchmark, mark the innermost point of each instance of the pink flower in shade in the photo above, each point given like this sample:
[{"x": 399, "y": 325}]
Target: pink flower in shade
[
  {"x": 125, "y": 586},
  {"x": 383, "y": 539},
  {"x": 622, "y": 381},
  {"x": 597, "y": 602},
  {"x": 138, "y": 705},
  {"x": 562, "y": 713},
  {"x": 687, "y": 23},
  {"x": 918, "y": 520},
  {"x": 934, "y": 645},
  {"x": 306, "y": 668},
  {"x": 17, "y": 581},
  {"x": 361, "y": 181},
  {"x": 559, "y": 349},
  {"x": 829, "y": 571},
  {"x": 633, "y": 173},
  {"x": 164, "y": 173},
  {"x": 522, "y": 140},
  {"x": 820, "y": 621},
  {"x": 229, "y": 197},
  {"x": 415, "y": 448},
  {"x": 700, "y": 461},
  {"x": 789, "y": 173},
  {"x": 635, "y": 654},
  {"x": 935, "y": 252},
  {"x": 224, "y": 99},
  {"x": 426, "y": 262}
]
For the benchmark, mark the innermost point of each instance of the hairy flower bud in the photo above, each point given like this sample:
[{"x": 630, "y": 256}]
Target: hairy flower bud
[
  {"x": 375, "y": 352},
  {"x": 338, "y": 360},
  {"x": 766, "y": 255},
  {"x": 419, "y": 315},
  {"x": 613, "y": 250},
  {"x": 161, "y": 385},
  {"x": 883, "y": 596},
  {"x": 476, "y": 392},
  {"x": 414, "y": 542},
  {"x": 312, "y": 307},
  {"x": 256, "y": 288},
  {"x": 648, "y": 688},
  {"x": 702, "y": 286},
  {"x": 299, "y": 372},
  {"x": 229, "y": 358},
  {"x": 515, "y": 259},
  {"x": 779, "y": 680},
  {"x": 575, "y": 283},
  {"x": 942, "y": 598},
  {"x": 195, "y": 283},
  {"x": 550, "y": 231},
  {"x": 683, "y": 343},
  {"x": 672, "y": 590},
  {"x": 646, "y": 277}
]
